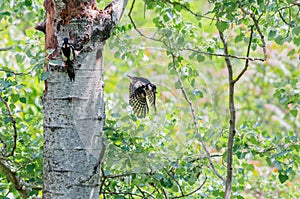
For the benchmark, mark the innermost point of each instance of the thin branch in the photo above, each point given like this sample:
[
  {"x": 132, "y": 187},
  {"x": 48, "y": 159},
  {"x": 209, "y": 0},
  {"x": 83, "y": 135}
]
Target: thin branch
[
  {"x": 256, "y": 24},
  {"x": 121, "y": 193},
  {"x": 262, "y": 37},
  {"x": 247, "y": 61},
  {"x": 131, "y": 20},
  {"x": 223, "y": 55},
  {"x": 284, "y": 21},
  {"x": 164, "y": 192},
  {"x": 195, "y": 120},
  {"x": 15, "y": 73},
  {"x": 15, "y": 136},
  {"x": 289, "y": 6},
  {"x": 188, "y": 9},
  {"x": 143, "y": 192},
  {"x": 157, "y": 190},
  {"x": 12, "y": 177},
  {"x": 232, "y": 121},
  {"x": 180, "y": 188},
  {"x": 6, "y": 48},
  {"x": 198, "y": 157},
  {"x": 102, "y": 181},
  {"x": 192, "y": 192}
]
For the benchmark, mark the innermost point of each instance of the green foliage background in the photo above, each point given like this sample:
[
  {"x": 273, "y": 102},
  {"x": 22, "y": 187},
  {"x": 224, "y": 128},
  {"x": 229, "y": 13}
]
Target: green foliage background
[{"x": 161, "y": 155}]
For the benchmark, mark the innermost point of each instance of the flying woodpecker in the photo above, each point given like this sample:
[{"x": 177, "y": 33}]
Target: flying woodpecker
[
  {"x": 141, "y": 92},
  {"x": 68, "y": 55}
]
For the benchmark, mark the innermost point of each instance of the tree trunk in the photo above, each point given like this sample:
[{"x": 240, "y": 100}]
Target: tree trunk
[{"x": 74, "y": 110}]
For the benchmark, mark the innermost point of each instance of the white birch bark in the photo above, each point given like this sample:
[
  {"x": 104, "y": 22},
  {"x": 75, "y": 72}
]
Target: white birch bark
[{"x": 74, "y": 111}]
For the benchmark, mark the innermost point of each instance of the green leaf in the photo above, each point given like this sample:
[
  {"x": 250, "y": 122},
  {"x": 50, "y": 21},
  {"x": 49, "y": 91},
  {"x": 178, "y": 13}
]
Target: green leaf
[
  {"x": 294, "y": 112},
  {"x": 292, "y": 52},
  {"x": 279, "y": 40},
  {"x": 19, "y": 58},
  {"x": 222, "y": 25},
  {"x": 200, "y": 58},
  {"x": 23, "y": 100},
  {"x": 199, "y": 24},
  {"x": 30, "y": 32},
  {"x": 177, "y": 84},
  {"x": 28, "y": 3},
  {"x": 198, "y": 93},
  {"x": 7, "y": 120},
  {"x": 14, "y": 97},
  {"x": 271, "y": 34},
  {"x": 3, "y": 14},
  {"x": 282, "y": 178},
  {"x": 115, "y": 115},
  {"x": 45, "y": 75},
  {"x": 296, "y": 30},
  {"x": 30, "y": 168},
  {"x": 54, "y": 62},
  {"x": 210, "y": 50},
  {"x": 180, "y": 40},
  {"x": 239, "y": 38}
]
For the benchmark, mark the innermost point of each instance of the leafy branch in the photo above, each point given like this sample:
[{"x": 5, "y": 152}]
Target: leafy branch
[
  {"x": 223, "y": 55},
  {"x": 135, "y": 27},
  {"x": 16, "y": 73},
  {"x": 184, "y": 6},
  {"x": 194, "y": 118},
  {"x": 143, "y": 193},
  {"x": 247, "y": 60},
  {"x": 15, "y": 135},
  {"x": 14, "y": 179}
]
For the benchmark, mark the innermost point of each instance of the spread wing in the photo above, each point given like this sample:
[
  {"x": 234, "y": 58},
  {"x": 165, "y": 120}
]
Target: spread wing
[
  {"x": 138, "y": 102},
  {"x": 151, "y": 97},
  {"x": 131, "y": 89}
]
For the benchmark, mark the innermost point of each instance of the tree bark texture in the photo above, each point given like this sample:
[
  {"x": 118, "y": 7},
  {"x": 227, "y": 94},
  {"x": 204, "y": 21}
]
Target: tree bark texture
[{"x": 74, "y": 111}]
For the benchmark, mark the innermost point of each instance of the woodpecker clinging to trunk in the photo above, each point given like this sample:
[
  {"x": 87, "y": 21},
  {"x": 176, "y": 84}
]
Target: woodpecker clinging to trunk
[
  {"x": 141, "y": 91},
  {"x": 68, "y": 55}
]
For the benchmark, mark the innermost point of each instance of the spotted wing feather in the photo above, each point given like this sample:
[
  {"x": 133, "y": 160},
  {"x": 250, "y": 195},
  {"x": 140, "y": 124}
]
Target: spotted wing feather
[
  {"x": 151, "y": 95},
  {"x": 138, "y": 102}
]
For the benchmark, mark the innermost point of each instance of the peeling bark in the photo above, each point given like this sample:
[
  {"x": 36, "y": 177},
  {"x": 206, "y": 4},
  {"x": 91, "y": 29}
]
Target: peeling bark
[{"x": 74, "y": 111}]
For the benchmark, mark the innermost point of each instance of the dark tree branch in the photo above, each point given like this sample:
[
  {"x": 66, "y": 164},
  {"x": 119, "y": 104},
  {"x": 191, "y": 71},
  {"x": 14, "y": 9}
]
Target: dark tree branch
[
  {"x": 223, "y": 55},
  {"x": 247, "y": 61},
  {"x": 232, "y": 119},
  {"x": 18, "y": 74},
  {"x": 256, "y": 24},
  {"x": 283, "y": 19},
  {"x": 15, "y": 136},
  {"x": 290, "y": 6},
  {"x": 164, "y": 192},
  {"x": 12, "y": 177},
  {"x": 260, "y": 34}
]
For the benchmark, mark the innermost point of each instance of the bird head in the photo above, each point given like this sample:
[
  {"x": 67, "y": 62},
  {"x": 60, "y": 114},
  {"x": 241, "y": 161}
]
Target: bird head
[
  {"x": 151, "y": 87},
  {"x": 66, "y": 40}
]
